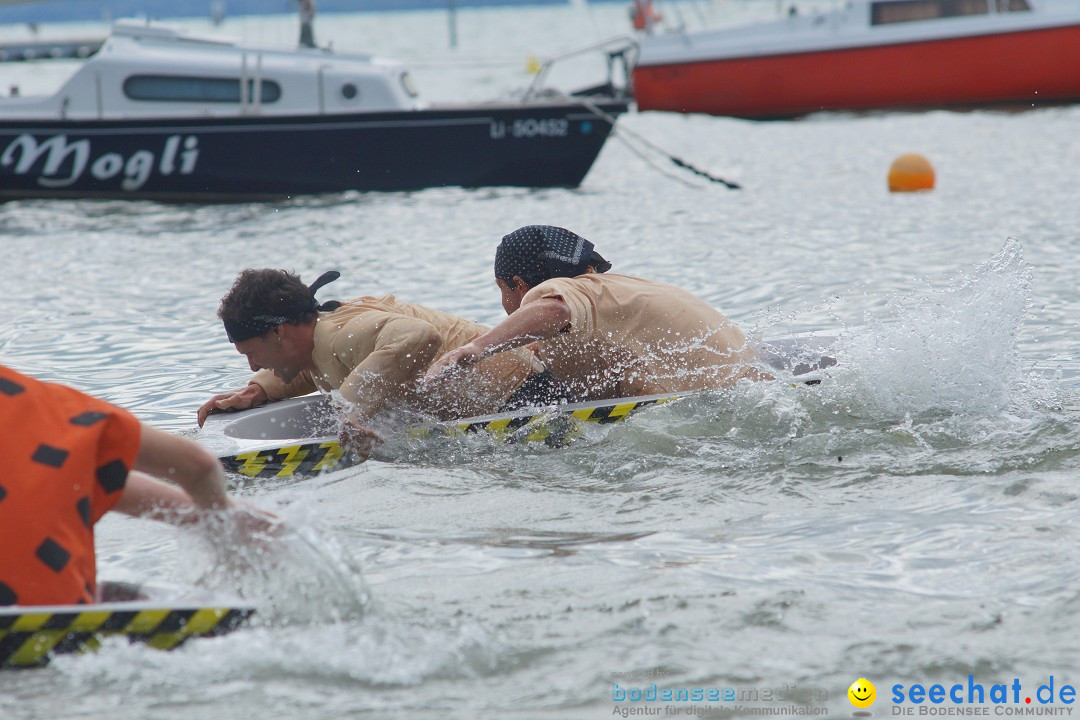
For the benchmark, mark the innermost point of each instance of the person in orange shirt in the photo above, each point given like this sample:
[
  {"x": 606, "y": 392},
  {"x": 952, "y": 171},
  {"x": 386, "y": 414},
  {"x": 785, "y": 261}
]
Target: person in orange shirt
[
  {"x": 601, "y": 334},
  {"x": 70, "y": 458}
]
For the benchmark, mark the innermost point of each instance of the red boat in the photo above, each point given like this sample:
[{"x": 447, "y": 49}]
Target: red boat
[{"x": 869, "y": 55}]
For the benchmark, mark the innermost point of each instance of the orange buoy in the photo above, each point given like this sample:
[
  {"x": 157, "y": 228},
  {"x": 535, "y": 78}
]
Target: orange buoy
[{"x": 911, "y": 172}]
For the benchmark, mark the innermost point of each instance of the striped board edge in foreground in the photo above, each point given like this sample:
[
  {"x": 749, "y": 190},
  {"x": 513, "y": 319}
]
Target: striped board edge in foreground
[
  {"x": 532, "y": 425},
  {"x": 29, "y": 636}
]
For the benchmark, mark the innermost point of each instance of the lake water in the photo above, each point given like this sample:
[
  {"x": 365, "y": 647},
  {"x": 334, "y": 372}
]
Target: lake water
[{"x": 912, "y": 520}]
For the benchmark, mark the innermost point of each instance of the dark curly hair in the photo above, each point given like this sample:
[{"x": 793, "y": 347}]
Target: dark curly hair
[{"x": 261, "y": 292}]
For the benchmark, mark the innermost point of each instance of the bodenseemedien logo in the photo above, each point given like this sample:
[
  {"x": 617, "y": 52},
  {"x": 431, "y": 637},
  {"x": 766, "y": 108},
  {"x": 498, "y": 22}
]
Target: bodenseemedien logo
[
  {"x": 631, "y": 699},
  {"x": 862, "y": 694}
]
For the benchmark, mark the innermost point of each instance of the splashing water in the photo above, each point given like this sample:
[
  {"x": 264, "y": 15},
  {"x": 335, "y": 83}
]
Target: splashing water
[
  {"x": 949, "y": 350},
  {"x": 930, "y": 383},
  {"x": 297, "y": 572}
]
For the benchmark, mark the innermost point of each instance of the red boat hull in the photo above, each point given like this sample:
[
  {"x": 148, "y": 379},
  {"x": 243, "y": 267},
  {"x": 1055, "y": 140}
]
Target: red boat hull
[{"x": 1033, "y": 67}]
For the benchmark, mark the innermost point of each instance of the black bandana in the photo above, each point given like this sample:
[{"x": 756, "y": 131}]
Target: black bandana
[
  {"x": 536, "y": 253},
  {"x": 240, "y": 330}
]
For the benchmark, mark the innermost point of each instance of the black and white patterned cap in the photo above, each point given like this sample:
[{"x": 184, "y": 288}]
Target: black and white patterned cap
[{"x": 536, "y": 253}]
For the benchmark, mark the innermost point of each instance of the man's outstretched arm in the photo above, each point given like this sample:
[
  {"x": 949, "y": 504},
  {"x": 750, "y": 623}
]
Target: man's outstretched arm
[{"x": 538, "y": 320}]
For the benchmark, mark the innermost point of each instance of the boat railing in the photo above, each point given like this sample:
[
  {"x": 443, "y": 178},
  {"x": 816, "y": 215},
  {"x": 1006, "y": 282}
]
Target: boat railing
[
  {"x": 251, "y": 85},
  {"x": 621, "y": 52},
  {"x": 49, "y": 50}
]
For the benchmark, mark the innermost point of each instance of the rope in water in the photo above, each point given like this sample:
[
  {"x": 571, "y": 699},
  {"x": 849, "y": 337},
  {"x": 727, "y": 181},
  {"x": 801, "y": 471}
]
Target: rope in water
[{"x": 677, "y": 161}]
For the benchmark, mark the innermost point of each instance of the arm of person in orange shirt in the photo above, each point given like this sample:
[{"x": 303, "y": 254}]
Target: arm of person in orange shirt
[
  {"x": 198, "y": 476},
  {"x": 146, "y": 496},
  {"x": 184, "y": 462}
]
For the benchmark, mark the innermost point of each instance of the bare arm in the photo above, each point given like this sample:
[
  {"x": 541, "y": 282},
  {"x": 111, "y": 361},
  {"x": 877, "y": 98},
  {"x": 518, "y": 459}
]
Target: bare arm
[
  {"x": 148, "y": 497},
  {"x": 277, "y": 389},
  {"x": 252, "y": 395},
  {"x": 182, "y": 461},
  {"x": 538, "y": 320},
  {"x": 200, "y": 484},
  {"x": 263, "y": 387}
]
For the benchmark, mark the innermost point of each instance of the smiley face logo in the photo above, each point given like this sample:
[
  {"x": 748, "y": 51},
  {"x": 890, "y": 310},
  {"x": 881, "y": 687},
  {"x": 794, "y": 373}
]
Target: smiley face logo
[{"x": 862, "y": 693}]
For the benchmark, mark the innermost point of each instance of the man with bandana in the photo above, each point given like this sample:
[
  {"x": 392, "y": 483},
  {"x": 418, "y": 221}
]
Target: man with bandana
[
  {"x": 603, "y": 335},
  {"x": 374, "y": 351}
]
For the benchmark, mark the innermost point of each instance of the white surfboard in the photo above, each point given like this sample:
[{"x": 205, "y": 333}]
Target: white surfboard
[{"x": 299, "y": 436}]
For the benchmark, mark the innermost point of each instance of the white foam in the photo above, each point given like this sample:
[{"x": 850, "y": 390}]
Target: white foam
[
  {"x": 298, "y": 573},
  {"x": 952, "y": 349}
]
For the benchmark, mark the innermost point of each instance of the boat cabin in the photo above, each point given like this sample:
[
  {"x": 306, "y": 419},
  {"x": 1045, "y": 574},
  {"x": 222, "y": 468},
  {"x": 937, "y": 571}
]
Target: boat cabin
[{"x": 148, "y": 70}]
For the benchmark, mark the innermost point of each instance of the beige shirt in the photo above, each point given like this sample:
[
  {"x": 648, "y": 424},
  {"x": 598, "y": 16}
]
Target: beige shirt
[
  {"x": 373, "y": 350},
  {"x": 630, "y": 336}
]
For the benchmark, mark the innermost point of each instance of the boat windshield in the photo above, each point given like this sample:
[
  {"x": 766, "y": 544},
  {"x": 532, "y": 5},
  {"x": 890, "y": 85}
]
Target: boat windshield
[{"x": 898, "y": 11}]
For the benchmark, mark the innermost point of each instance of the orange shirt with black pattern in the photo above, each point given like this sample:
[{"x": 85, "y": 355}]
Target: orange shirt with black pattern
[{"x": 66, "y": 457}]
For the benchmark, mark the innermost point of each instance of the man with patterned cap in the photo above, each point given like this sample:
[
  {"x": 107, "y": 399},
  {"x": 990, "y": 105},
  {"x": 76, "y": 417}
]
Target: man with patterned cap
[
  {"x": 373, "y": 350},
  {"x": 603, "y": 335}
]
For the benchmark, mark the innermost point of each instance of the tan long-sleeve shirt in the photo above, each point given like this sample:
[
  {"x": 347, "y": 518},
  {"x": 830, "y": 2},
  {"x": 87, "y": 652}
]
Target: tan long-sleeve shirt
[
  {"x": 629, "y": 336},
  {"x": 374, "y": 350}
]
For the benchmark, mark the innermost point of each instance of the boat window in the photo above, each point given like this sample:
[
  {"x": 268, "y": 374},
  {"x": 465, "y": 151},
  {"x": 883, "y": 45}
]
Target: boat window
[
  {"x": 348, "y": 91},
  {"x": 1013, "y": 6},
  {"x": 898, "y": 11},
  {"x": 174, "y": 88}
]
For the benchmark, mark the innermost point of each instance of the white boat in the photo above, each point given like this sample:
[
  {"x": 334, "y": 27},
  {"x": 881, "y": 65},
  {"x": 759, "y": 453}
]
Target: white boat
[
  {"x": 162, "y": 114},
  {"x": 868, "y": 55}
]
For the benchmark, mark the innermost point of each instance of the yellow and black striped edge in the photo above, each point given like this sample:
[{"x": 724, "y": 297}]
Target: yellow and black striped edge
[
  {"x": 547, "y": 425},
  {"x": 30, "y": 636},
  {"x": 311, "y": 458}
]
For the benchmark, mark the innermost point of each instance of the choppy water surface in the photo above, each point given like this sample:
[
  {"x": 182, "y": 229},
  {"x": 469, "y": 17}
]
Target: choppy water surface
[{"x": 910, "y": 520}]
